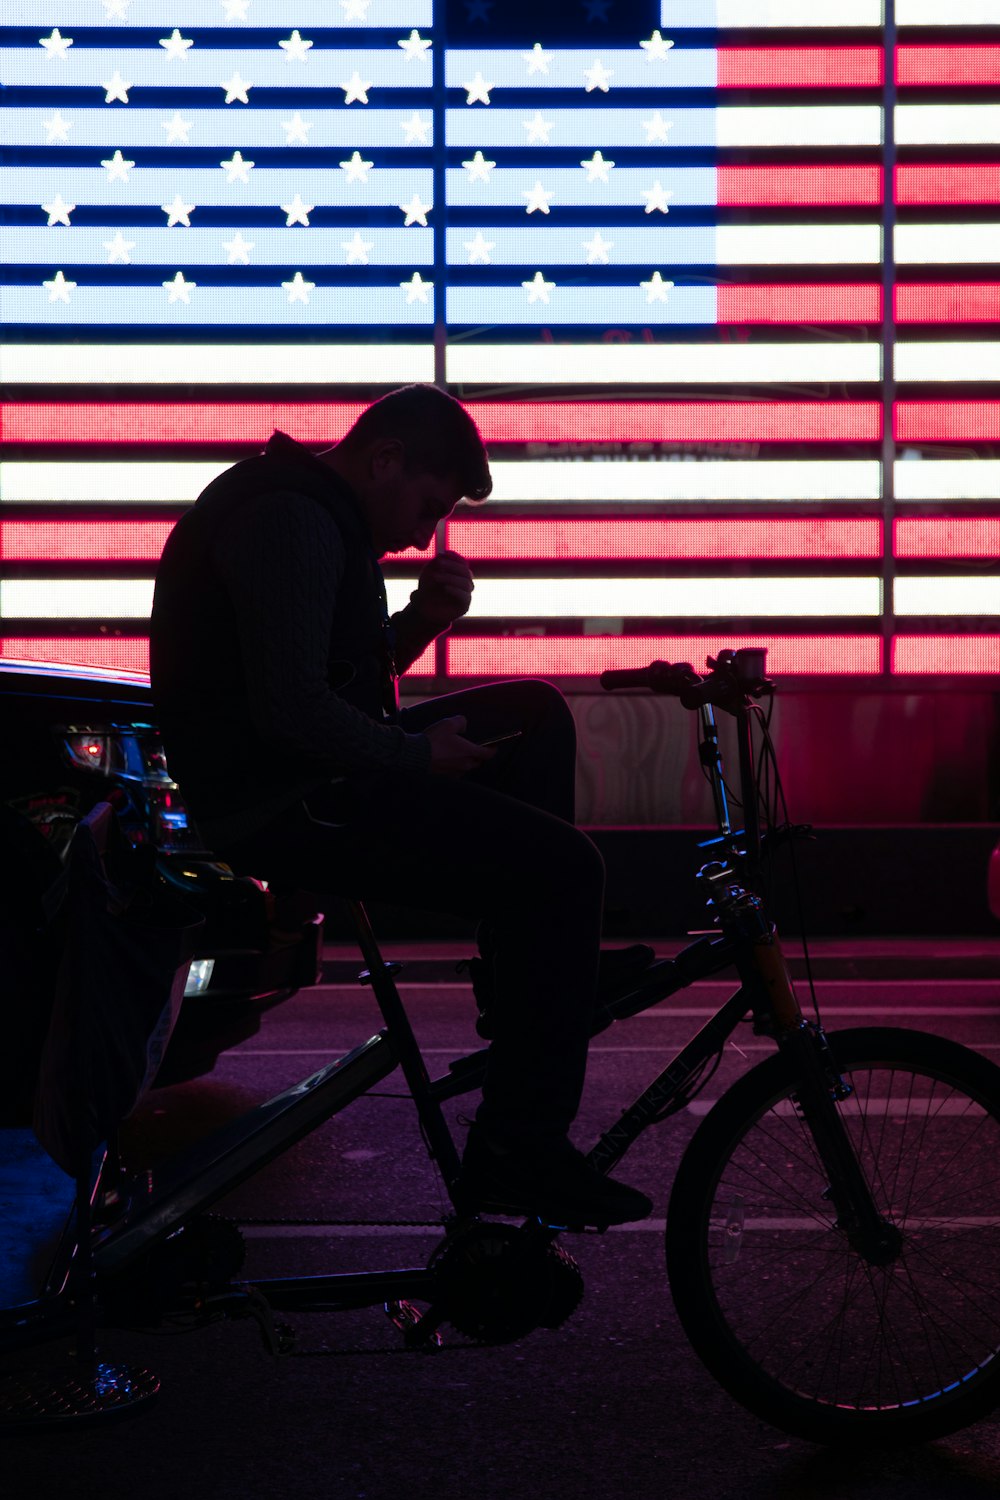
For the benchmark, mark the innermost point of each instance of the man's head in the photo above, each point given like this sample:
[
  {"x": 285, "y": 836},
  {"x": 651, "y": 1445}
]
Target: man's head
[{"x": 410, "y": 457}]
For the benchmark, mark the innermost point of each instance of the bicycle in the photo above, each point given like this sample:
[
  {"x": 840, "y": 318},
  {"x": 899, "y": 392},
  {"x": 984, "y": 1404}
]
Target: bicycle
[{"x": 832, "y": 1232}]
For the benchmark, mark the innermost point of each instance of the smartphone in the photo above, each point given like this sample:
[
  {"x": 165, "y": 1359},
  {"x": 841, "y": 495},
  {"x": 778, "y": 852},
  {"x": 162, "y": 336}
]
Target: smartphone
[{"x": 500, "y": 739}]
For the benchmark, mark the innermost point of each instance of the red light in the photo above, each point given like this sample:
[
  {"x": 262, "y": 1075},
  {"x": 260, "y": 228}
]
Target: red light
[
  {"x": 786, "y": 187},
  {"x": 642, "y": 540},
  {"x": 799, "y": 67},
  {"x": 947, "y": 182},
  {"x": 499, "y": 422},
  {"x": 948, "y": 302},
  {"x": 586, "y": 656},
  {"x": 963, "y": 66},
  {"x": 129, "y": 653},
  {"x": 947, "y": 421},
  {"x": 83, "y": 541},
  {"x": 859, "y": 303},
  {"x": 425, "y": 664},
  {"x": 968, "y": 655},
  {"x": 947, "y": 536}
]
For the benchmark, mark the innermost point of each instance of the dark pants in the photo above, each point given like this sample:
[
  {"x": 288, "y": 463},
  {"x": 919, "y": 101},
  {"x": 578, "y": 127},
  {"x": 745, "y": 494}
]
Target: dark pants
[{"x": 497, "y": 845}]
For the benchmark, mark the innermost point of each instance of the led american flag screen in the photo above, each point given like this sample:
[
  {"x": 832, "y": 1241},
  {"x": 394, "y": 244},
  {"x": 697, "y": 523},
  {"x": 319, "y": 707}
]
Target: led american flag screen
[{"x": 719, "y": 281}]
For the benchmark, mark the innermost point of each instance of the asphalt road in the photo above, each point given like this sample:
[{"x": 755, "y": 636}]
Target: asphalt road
[{"x": 613, "y": 1404}]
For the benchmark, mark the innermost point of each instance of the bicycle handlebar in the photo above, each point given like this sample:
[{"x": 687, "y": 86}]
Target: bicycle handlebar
[{"x": 733, "y": 675}]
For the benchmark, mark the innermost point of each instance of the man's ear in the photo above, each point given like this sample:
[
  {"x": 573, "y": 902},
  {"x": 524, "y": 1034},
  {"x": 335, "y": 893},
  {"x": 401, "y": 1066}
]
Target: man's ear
[{"x": 386, "y": 458}]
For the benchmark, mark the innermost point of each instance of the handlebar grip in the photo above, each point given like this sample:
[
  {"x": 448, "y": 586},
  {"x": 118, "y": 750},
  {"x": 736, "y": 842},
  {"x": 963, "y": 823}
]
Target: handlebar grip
[{"x": 660, "y": 676}]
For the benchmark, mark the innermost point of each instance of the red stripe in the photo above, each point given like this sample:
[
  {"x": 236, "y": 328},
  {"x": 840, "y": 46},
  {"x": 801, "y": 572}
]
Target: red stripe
[
  {"x": 845, "y": 303},
  {"x": 965, "y": 654},
  {"x": 947, "y": 421},
  {"x": 947, "y": 182},
  {"x": 964, "y": 66},
  {"x": 83, "y": 541},
  {"x": 499, "y": 422},
  {"x": 787, "y": 186},
  {"x": 639, "y": 540},
  {"x": 948, "y": 302},
  {"x": 799, "y": 67},
  {"x": 586, "y": 656},
  {"x": 130, "y": 653},
  {"x": 947, "y": 536}
]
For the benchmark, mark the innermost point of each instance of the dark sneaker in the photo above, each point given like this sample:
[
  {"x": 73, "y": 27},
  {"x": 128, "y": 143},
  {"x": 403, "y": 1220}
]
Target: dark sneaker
[
  {"x": 618, "y": 969},
  {"x": 552, "y": 1182}
]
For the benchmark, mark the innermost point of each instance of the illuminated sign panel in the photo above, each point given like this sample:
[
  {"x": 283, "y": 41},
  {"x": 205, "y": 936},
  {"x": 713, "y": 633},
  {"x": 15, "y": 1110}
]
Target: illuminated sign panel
[{"x": 719, "y": 349}]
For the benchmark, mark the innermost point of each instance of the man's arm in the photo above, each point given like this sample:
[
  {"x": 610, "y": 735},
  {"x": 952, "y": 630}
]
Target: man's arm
[
  {"x": 442, "y": 595},
  {"x": 281, "y": 567}
]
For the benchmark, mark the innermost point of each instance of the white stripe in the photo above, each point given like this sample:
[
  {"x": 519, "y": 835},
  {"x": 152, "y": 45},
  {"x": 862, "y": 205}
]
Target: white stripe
[
  {"x": 888, "y": 1108},
  {"x": 948, "y": 479},
  {"x": 209, "y": 364},
  {"x": 642, "y": 1226},
  {"x": 919, "y": 244},
  {"x": 779, "y": 13},
  {"x": 974, "y": 359},
  {"x": 76, "y": 598},
  {"x": 956, "y": 13},
  {"x": 655, "y": 598},
  {"x": 799, "y": 125},
  {"x": 947, "y": 596},
  {"x": 798, "y": 244},
  {"x": 948, "y": 124},
  {"x": 674, "y": 364},
  {"x": 106, "y": 482}
]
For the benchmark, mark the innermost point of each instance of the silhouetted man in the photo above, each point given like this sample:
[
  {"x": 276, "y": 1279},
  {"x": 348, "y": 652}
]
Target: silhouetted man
[{"x": 274, "y": 666}]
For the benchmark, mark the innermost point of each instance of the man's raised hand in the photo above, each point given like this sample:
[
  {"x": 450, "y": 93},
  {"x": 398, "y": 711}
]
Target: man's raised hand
[{"x": 444, "y": 590}]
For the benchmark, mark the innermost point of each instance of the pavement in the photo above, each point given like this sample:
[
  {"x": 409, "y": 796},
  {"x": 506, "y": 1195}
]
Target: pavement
[{"x": 614, "y": 1404}]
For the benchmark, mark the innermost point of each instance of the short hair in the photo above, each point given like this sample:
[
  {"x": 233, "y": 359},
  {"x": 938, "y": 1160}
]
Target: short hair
[{"x": 437, "y": 433}]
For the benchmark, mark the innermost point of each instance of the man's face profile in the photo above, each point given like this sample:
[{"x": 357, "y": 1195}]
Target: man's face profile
[{"x": 404, "y": 506}]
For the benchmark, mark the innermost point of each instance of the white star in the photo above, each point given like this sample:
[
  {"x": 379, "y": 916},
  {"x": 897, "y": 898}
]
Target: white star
[
  {"x": 179, "y": 289},
  {"x": 236, "y": 10},
  {"x": 656, "y": 128},
  {"x": 538, "y": 198},
  {"x": 56, "y": 128},
  {"x": 355, "y": 10},
  {"x": 119, "y": 249},
  {"x": 357, "y": 250},
  {"x": 656, "y": 48},
  {"x": 356, "y": 88},
  {"x": 296, "y": 130},
  {"x": 298, "y": 288},
  {"x": 56, "y": 46},
  {"x": 58, "y": 211},
  {"x": 175, "y": 45},
  {"x": 295, "y": 48},
  {"x": 415, "y": 47},
  {"x": 297, "y": 211},
  {"x": 538, "y": 129},
  {"x": 178, "y": 212},
  {"x": 416, "y": 290},
  {"x": 597, "y": 76},
  {"x": 415, "y": 129},
  {"x": 236, "y": 88},
  {"x": 597, "y": 248},
  {"x": 177, "y": 130},
  {"x": 479, "y": 249},
  {"x": 597, "y": 168},
  {"x": 656, "y": 288},
  {"x": 237, "y": 168},
  {"x": 537, "y": 60},
  {"x": 114, "y": 10},
  {"x": 415, "y": 211},
  {"x": 538, "y": 288},
  {"x": 117, "y": 167},
  {"x": 478, "y": 90},
  {"x": 59, "y": 288},
  {"x": 356, "y": 168},
  {"x": 479, "y": 168},
  {"x": 237, "y": 250},
  {"x": 116, "y": 88},
  {"x": 656, "y": 198}
]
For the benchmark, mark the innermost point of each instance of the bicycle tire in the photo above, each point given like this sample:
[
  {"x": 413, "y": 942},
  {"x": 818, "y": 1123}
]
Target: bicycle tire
[{"x": 785, "y": 1315}]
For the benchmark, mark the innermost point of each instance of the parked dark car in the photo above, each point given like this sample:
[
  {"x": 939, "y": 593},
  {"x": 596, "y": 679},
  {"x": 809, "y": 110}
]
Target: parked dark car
[{"x": 70, "y": 735}]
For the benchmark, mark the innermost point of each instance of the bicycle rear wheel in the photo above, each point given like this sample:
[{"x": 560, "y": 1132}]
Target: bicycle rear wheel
[{"x": 795, "y": 1324}]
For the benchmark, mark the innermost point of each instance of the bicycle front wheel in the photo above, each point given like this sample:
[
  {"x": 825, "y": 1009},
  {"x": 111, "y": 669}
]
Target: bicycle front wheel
[{"x": 793, "y": 1322}]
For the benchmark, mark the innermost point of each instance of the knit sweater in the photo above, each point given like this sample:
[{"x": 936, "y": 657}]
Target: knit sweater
[{"x": 265, "y": 641}]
